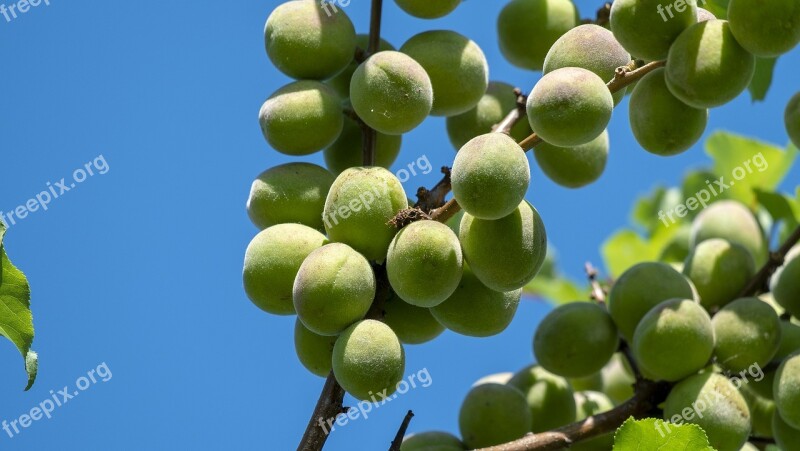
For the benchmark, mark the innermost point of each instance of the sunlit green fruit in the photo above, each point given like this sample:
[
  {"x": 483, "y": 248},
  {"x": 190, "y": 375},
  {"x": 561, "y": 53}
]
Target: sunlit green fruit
[
  {"x": 359, "y": 205},
  {"x": 592, "y": 382},
  {"x": 585, "y": 350},
  {"x": 725, "y": 415},
  {"x": 305, "y": 42},
  {"x": 786, "y": 390},
  {"x": 334, "y": 288},
  {"x": 673, "y": 340},
  {"x": 677, "y": 249},
  {"x": 497, "y": 378},
  {"x": 271, "y": 264},
  {"x": 761, "y": 411},
  {"x": 765, "y": 28},
  {"x": 505, "y": 254},
  {"x": 368, "y": 360},
  {"x": 301, "y": 118},
  {"x": 528, "y": 28},
  {"x": 341, "y": 81},
  {"x": 591, "y": 403},
  {"x": 731, "y": 220},
  {"x": 792, "y": 119},
  {"x": 569, "y": 107},
  {"x": 785, "y": 435},
  {"x": 704, "y": 15},
  {"x": 457, "y": 68},
  {"x": 412, "y": 324},
  {"x": 590, "y": 47},
  {"x": 618, "y": 379},
  {"x": 639, "y": 289},
  {"x": 432, "y": 441},
  {"x": 292, "y": 192},
  {"x": 391, "y": 92},
  {"x": 550, "y": 398},
  {"x": 490, "y": 176},
  {"x": 787, "y": 287},
  {"x": 697, "y": 184},
  {"x": 495, "y": 104},
  {"x": 425, "y": 9},
  {"x": 661, "y": 123},
  {"x": 492, "y": 414},
  {"x": 747, "y": 332},
  {"x": 424, "y": 263},
  {"x": 706, "y": 67},
  {"x": 647, "y": 28},
  {"x": 719, "y": 270},
  {"x": 476, "y": 310},
  {"x": 347, "y": 151},
  {"x": 573, "y": 167},
  {"x": 313, "y": 350}
]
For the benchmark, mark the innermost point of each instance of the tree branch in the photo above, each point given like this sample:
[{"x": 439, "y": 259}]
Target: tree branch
[
  {"x": 598, "y": 293},
  {"x": 328, "y": 407},
  {"x": 514, "y": 115},
  {"x": 776, "y": 259},
  {"x": 398, "y": 439}
]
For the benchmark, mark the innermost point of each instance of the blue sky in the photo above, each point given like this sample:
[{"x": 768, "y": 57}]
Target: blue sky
[{"x": 139, "y": 268}]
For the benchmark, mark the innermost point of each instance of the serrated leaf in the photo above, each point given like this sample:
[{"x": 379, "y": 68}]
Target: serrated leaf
[
  {"x": 762, "y": 79},
  {"x": 557, "y": 290},
  {"x": 639, "y": 435}
]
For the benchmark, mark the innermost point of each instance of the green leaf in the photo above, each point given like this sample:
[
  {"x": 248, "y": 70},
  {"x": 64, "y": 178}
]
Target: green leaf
[
  {"x": 652, "y": 434},
  {"x": 558, "y": 290},
  {"x": 627, "y": 248},
  {"x": 779, "y": 206},
  {"x": 762, "y": 79}
]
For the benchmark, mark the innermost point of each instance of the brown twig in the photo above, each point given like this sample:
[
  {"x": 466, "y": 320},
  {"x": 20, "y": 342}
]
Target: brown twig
[
  {"x": 429, "y": 200},
  {"x": 514, "y": 115},
  {"x": 370, "y": 136},
  {"x": 758, "y": 283},
  {"x": 328, "y": 407},
  {"x": 401, "y": 433},
  {"x": 598, "y": 294}
]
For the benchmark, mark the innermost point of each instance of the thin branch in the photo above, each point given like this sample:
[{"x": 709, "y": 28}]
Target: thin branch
[
  {"x": 598, "y": 293},
  {"x": 446, "y": 211},
  {"x": 776, "y": 259},
  {"x": 627, "y": 352},
  {"x": 328, "y": 407},
  {"x": 428, "y": 200},
  {"x": 514, "y": 115},
  {"x": 398, "y": 439},
  {"x": 370, "y": 136}
]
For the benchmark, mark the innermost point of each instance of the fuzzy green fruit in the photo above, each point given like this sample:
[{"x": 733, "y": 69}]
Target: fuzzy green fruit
[
  {"x": 647, "y": 28},
  {"x": 733, "y": 221},
  {"x": 618, "y": 379},
  {"x": 492, "y": 414},
  {"x": 786, "y": 437},
  {"x": 593, "y": 382},
  {"x": 528, "y": 28},
  {"x": 786, "y": 390},
  {"x": 497, "y": 378},
  {"x": 347, "y": 151},
  {"x": 747, "y": 332},
  {"x": 412, "y": 324},
  {"x": 790, "y": 340},
  {"x": 341, "y": 82},
  {"x": 573, "y": 167},
  {"x": 787, "y": 287},
  {"x": 761, "y": 412},
  {"x": 432, "y": 441},
  {"x": 765, "y": 28},
  {"x": 591, "y": 403},
  {"x": 550, "y": 398},
  {"x": 313, "y": 350},
  {"x": 719, "y": 270},
  {"x": 704, "y": 15},
  {"x": 792, "y": 119},
  {"x": 425, "y": 9}
]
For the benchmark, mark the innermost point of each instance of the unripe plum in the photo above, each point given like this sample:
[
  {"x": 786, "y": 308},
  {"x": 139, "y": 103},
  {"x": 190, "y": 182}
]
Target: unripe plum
[
  {"x": 412, "y": 324},
  {"x": 528, "y": 28},
  {"x": 747, "y": 331},
  {"x": 313, "y": 350},
  {"x": 765, "y": 29},
  {"x": 733, "y": 221},
  {"x": 550, "y": 398},
  {"x": 573, "y": 167},
  {"x": 719, "y": 270},
  {"x": 792, "y": 119},
  {"x": 432, "y": 441},
  {"x": 341, "y": 81},
  {"x": 492, "y": 414},
  {"x": 647, "y": 28},
  {"x": 786, "y": 390},
  {"x": 346, "y": 152},
  {"x": 425, "y": 9},
  {"x": 787, "y": 287}
]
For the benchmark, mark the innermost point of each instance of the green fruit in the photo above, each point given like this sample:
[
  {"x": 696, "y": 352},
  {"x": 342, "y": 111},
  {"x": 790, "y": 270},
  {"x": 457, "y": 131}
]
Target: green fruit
[
  {"x": 673, "y": 340},
  {"x": 591, "y": 403},
  {"x": 303, "y": 41},
  {"x": 360, "y": 203},
  {"x": 706, "y": 67},
  {"x": 505, "y": 254},
  {"x": 661, "y": 123},
  {"x": 313, "y": 350},
  {"x": 391, "y": 92},
  {"x": 639, "y": 289},
  {"x": 786, "y": 437},
  {"x": 725, "y": 415},
  {"x": 590, "y": 47},
  {"x": 678, "y": 248},
  {"x": 341, "y": 82},
  {"x": 368, "y": 360},
  {"x": 585, "y": 350},
  {"x": 334, "y": 288},
  {"x": 573, "y": 167},
  {"x": 731, "y": 220},
  {"x": 412, "y": 324},
  {"x": 695, "y": 183},
  {"x": 787, "y": 287},
  {"x": 271, "y": 264},
  {"x": 490, "y": 176},
  {"x": 748, "y": 332},
  {"x": 761, "y": 412},
  {"x": 292, "y": 192},
  {"x": 704, "y": 15},
  {"x": 647, "y": 28},
  {"x": 456, "y": 65},
  {"x": 424, "y": 263},
  {"x": 495, "y": 104},
  {"x": 476, "y": 310},
  {"x": 618, "y": 380},
  {"x": 497, "y": 378},
  {"x": 569, "y": 107},
  {"x": 425, "y": 9},
  {"x": 347, "y": 151},
  {"x": 765, "y": 28},
  {"x": 492, "y": 414},
  {"x": 593, "y": 382},
  {"x": 790, "y": 340},
  {"x": 528, "y": 28},
  {"x": 792, "y": 119},
  {"x": 301, "y": 118},
  {"x": 432, "y": 441},
  {"x": 719, "y": 270},
  {"x": 550, "y": 398},
  {"x": 786, "y": 390}
]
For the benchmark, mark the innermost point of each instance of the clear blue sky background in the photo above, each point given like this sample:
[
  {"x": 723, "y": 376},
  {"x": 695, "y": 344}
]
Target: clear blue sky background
[{"x": 140, "y": 268}]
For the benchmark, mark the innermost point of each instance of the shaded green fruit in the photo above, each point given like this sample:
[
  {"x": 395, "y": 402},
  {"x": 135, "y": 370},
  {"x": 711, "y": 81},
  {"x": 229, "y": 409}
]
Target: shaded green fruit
[
  {"x": 593, "y": 382},
  {"x": 271, "y": 264},
  {"x": 790, "y": 340},
  {"x": 432, "y": 441},
  {"x": 747, "y": 332},
  {"x": 725, "y": 415},
  {"x": 647, "y": 28},
  {"x": 303, "y": 41},
  {"x": 505, "y": 254},
  {"x": 719, "y": 270},
  {"x": 347, "y": 151},
  {"x": 476, "y": 310},
  {"x": 761, "y": 412},
  {"x": 301, "y": 118},
  {"x": 787, "y": 287},
  {"x": 368, "y": 360},
  {"x": 661, "y": 123},
  {"x": 618, "y": 380},
  {"x": 425, "y": 9},
  {"x": 292, "y": 192},
  {"x": 528, "y": 28},
  {"x": 785, "y": 435},
  {"x": 792, "y": 119},
  {"x": 391, "y": 92},
  {"x": 341, "y": 82},
  {"x": 550, "y": 398},
  {"x": 704, "y": 15},
  {"x": 765, "y": 28},
  {"x": 360, "y": 203},
  {"x": 591, "y": 403},
  {"x": 786, "y": 390},
  {"x": 706, "y": 67},
  {"x": 495, "y": 104},
  {"x": 313, "y": 350},
  {"x": 424, "y": 263},
  {"x": 678, "y": 248},
  {"x": 457, "y": 68},
  {"x": 412, "y": 324},
  {"x": 673, "y": 340},
  {"x": 490, "y": 176},
  {"x": 455, "y": 222},
  {"x": 492, "y": 414},
  {"x": 590, "y": 47},
  {"x": 585, "y": 350},
  {"x": 569, "y": 107},
  {"x": 334, "y": 288},
  {"x": 731, "y": 220},
  {"x": 639, "y": 289},
  {"x": 573, "y": 167}
]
